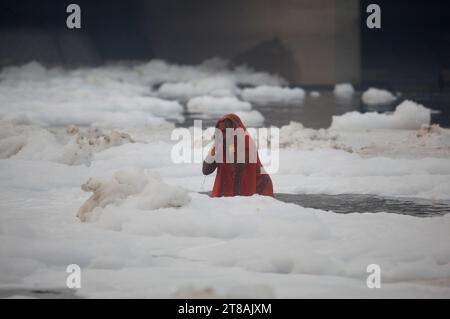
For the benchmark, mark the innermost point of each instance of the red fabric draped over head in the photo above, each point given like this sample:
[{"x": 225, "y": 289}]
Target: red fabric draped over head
[{"x": 241, "y": 173}]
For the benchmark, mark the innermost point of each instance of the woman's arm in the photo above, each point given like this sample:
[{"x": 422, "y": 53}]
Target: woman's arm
[
  {"x": 209, "y": 164},
  {"x": 208, "y": 168}
]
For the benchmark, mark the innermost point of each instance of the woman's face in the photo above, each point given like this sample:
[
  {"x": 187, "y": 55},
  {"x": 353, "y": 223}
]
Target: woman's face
[
  {"x": 222, "y": 126},
  {"x": 220, "y": 138}
]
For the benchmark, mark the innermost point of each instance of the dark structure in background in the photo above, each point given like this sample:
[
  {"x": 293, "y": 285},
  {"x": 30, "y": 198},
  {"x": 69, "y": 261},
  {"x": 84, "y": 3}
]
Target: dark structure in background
[
  {"x": 310, "y": 42},
  {"x": 306, "y": 41},
  {"x": 412, "y": 49}
]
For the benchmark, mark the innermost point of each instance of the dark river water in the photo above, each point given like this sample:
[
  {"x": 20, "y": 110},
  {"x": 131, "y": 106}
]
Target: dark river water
[
  {"x": 359, "y": 203},
  {"x": 316, "y": 112},
  {"x": 356, "y": 203}
]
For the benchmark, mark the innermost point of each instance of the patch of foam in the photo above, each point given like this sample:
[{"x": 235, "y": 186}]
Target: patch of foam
[
  {"x": 73, "y": 147},
  {"x": 116, "y": 96},
  {"x": 57, "y": 97},
  {"x": 296, "y": 135},
  {"x": 217, "y": 105},
  {"x": 344, "y": 90},
  {"x": 374, "y": 96},
  {"x": 407, "y": 116},
  {"x": 273, "y": 95},
  {"x": 151, "y": 193},
  {"x": 251, "y": 118},
  {"x": 213, "y": 86}
]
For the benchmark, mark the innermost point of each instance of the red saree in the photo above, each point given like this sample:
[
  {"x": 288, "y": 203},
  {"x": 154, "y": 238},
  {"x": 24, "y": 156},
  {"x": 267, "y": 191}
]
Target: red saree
[{"x": 245, "y": 177}]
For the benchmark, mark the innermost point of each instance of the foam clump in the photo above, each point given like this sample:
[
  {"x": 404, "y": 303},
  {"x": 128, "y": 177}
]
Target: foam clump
[
  {"x": 407, "y": 116},
  {"x": 152, "y": 193},
  {"x": 85, "y": 143},
  {"x": 213, "y": 86},
  {"x": 272, "y": 95},
  {"x": 374, "y": 96},
  {"x": 296, "y": 135},
  {"x": 74, "y": 146},
  {"x": 344, "y": 90},
  {"x": 217, "y": 105}
]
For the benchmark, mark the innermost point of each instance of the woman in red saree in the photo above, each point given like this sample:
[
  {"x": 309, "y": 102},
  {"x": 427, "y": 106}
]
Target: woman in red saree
[{"x": 234, "y": 154}]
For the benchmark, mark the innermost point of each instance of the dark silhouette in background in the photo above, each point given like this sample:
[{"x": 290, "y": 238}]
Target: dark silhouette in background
[
  {"x": 271, "y": 56},
  {"x": 310, "y": 42}
]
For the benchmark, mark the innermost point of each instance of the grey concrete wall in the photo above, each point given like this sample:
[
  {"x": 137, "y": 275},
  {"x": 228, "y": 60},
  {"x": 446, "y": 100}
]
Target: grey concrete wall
[
  {"x": 308, "y": 41},
  {"x": 305, "y": 41},
  {"x": 348, "y": 42}
]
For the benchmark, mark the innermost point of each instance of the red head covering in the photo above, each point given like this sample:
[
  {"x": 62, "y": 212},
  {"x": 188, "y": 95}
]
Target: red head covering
[{"x": 242, "y": 172}]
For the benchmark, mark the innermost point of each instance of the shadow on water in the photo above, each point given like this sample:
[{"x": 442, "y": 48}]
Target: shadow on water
[{"x": 356, "y": 203}]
